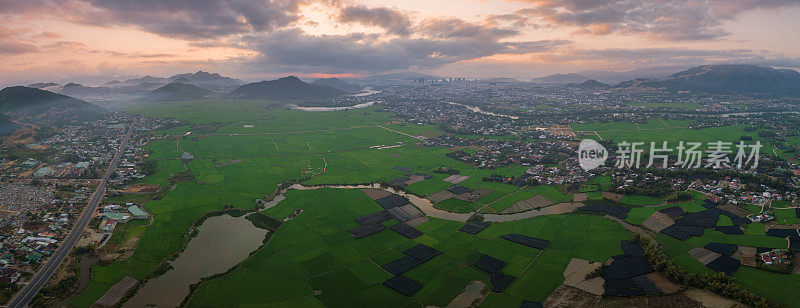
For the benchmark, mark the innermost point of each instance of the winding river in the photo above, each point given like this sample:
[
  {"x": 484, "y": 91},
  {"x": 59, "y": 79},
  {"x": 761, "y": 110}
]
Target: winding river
[
  {"x": 479, "y": 110},
  {"x": 428, "y": 208}
]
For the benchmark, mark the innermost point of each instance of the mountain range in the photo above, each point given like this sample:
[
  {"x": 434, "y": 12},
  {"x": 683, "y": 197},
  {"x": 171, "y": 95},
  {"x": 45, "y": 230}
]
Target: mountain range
[
  {"x": 727, "y": 79},
  {"x": 286, "y": 88},
  {"x": 561, "y": 78},
  {"x": 337, "y": 83},
  {"x": 177, "y": 91}
]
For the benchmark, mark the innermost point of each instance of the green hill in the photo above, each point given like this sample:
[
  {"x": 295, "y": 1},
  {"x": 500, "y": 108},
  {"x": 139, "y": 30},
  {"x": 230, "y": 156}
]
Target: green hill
[
  {"x": 40, "y": 106},
  {"x": 6, "y": 126},
  {"x": 177, "y": 91},
  {"x": 286, "y": 88}
]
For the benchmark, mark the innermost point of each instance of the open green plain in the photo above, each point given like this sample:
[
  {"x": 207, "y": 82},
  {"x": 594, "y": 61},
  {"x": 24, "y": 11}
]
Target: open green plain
[
  {"x": 311, "y": 260},
  {"x": 314, "y": 252}
]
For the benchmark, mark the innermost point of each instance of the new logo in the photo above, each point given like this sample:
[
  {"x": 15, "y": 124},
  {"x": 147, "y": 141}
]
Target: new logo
[{"x": 591, "y": 154}]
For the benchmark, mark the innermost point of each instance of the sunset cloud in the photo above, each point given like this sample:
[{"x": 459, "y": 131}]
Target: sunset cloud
[
  {"x": 363, "y": 37},
  {"x": 393, "y": 21},
  {"x": 675, "y": 20}
]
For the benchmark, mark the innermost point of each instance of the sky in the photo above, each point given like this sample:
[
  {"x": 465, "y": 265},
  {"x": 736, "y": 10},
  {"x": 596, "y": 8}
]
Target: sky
[{"x": 93, "y": 40}]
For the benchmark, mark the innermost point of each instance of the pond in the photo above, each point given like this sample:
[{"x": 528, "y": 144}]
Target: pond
[{"x": 221, "y": 242}]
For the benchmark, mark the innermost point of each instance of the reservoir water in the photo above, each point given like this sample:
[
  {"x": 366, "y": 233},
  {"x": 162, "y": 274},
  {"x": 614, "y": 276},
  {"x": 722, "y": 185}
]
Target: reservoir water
[
  {"x": 362, "y": 105},
  {"x": 221, "y": 242}
]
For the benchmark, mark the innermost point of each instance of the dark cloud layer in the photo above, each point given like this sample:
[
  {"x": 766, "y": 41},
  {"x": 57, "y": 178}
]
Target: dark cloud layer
[
  {"x": 188, "y": 19},
  {"x": 393, "y": 21},
  {"x": 199, "y": 18},
  {"x": 363, "y": 52},
  {"x": 270, "y": 28},
  {"x": 675, "y": 20}
]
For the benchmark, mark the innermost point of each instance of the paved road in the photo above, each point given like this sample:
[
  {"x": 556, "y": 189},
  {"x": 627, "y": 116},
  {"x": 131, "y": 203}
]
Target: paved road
[{"x": 51, "y": 265}]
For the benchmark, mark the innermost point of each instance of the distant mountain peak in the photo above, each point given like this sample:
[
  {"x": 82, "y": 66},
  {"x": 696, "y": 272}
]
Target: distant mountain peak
[
  {"x": 291, "y": 78},
  {"x": 561, "y": 78},
  {"x": 177, "y": 91},
  {"x": 337, "y": 83},
  {"x": 285, "y": 88},
  {"x": 590, "y": 84}
]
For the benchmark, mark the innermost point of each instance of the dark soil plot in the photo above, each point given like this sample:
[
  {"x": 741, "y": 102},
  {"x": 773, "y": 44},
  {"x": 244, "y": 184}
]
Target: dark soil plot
[
  {"x": 527, "y": 240},
  {"x": 782, "y": 232},
  {"x": 458, "y": 189},
  {"x": 375, "y": 193},
  {"x": 392, "y": 201},
  {"x": 709, "y": 204},
  {"x": 730, "y": 229},
  {"x": 403, "y": 285},
  {"x": 740, "y": 221},
  {"x": 401, "y": 265},
  {"x": 399, "y": 182},
  {"x": 405, "y": 212},
  {"x": 632, "y": 248},
  {"x": 500, "y": 282},
  {"x": 530, "y": 304},
  {"x": 705, "y": 219},
  {"x": 490, "y": 264},
  {"x": 634, "y": 286},
  {"x": 627, "y": 267},
  {"x": 366, "y": 230},
  {"x": 405, "y": 230},
  {"x": 373, "y": 218},
  {"x": 673, "y": 212},
  {"x": 692, "y": 230},
  {"x": 794, "y": 243},
  {"x": 797, "y": 212},
  {"x": 720, "y": 248},
  {"x": 676, "y": 232},
  {"x": 736, "y": 220},
  {"x": 423, "y": 175},
  {"x": 474, "y": 227},
  {"x": 724, "y": 264},
  {"x": 607, "y": 208},
  {"x": 422, "y": 252}
]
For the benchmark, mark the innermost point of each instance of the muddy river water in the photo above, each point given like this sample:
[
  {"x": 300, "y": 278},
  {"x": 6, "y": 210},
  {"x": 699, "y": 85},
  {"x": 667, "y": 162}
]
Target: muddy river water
[{"x": 221, "y": 242}]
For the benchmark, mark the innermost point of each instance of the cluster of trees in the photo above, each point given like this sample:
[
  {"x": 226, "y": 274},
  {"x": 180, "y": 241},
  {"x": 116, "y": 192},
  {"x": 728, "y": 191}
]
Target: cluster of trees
[
  {"x": 148, "y": 166},
  {"x": 745, "y": 178},
  {"x": 499, "y": 178},
  {"x": 646, "y": 188},
  {"x": 719, "y": 283},
  {"x": 446, "y": 170},
  {"x": 679, "y": 196}
]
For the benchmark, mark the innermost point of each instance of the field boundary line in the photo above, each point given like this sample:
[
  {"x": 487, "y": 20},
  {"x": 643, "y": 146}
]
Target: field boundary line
[
  {"x": 513, "y": 192},
  {"x": 273, "y": 140},
  {"x": 286, "y": 133},
  {"x": 402, "y": 133}
]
